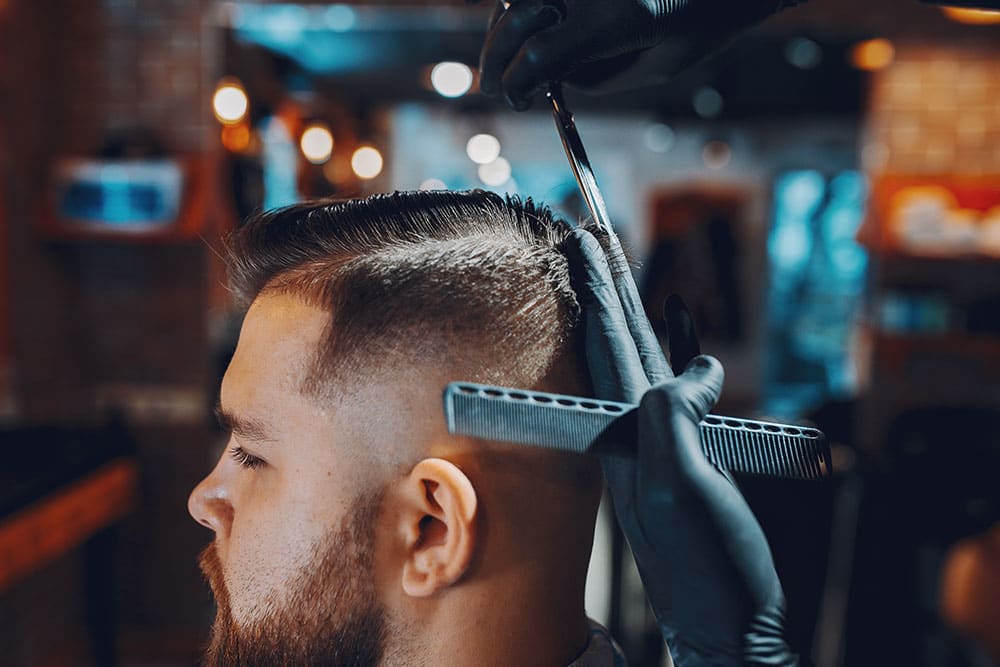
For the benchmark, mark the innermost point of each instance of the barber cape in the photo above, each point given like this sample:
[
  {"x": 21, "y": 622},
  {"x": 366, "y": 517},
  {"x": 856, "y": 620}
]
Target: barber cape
[{"x": 601, "y": 651}]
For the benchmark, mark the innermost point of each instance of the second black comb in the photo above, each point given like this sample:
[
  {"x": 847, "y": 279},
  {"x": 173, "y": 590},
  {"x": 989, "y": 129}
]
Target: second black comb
[{"x": 575, "y": 424}]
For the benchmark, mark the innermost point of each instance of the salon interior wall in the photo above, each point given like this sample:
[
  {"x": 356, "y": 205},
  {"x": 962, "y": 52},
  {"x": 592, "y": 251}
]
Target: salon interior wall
[
  {"x": 430, "y": 143},
  {"x": 933, "y": 114},
  {"x": 934, "y": 110},
  {"x": 96, "y": 324}
]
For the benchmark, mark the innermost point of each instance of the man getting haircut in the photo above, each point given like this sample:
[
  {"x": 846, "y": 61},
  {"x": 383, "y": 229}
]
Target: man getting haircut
[{"x": 350, "y": 528}]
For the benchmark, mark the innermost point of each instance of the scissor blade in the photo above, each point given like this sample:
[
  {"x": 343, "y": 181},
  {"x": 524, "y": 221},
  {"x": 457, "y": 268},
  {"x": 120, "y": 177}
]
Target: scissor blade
[{"x": 577, "y": 156}]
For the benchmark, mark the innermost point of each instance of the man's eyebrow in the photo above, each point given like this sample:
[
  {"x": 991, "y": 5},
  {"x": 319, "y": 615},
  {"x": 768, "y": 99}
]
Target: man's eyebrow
[{"x": 251, "y": 429}]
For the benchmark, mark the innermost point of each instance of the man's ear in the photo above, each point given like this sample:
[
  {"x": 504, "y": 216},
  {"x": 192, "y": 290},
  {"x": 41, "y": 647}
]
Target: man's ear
[{"x": 438, "y": 522}]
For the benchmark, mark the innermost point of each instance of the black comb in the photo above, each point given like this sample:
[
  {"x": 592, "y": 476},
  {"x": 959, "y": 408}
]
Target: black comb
[{"x": 585, "y": 425}]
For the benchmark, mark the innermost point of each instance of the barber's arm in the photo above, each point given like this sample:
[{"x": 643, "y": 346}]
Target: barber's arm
[
  {"x": 704, "y": 561},
  {"x": 606, "y": 44}
]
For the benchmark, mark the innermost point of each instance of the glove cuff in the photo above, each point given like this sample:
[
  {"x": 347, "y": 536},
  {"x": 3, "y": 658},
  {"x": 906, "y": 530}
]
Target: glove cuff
[{"x": 764, "y": 643}]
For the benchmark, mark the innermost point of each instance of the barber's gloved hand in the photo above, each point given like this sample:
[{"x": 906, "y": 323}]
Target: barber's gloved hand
[
  {"x": 585, "y": 42},
  {"x": 704, "y": 561}
]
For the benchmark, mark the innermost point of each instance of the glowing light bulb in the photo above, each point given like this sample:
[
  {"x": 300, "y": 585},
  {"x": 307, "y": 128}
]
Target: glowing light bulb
[
  {"x": 366, "y": 162},
  {"x": 230, "y": 101},
  {"x": 317, "y": 143},
  {"x": 483, "y": 148},
  {"x": 451, "y": 79},
  {"x": 495, "y": 173},
  {"x": 873, "y": 54}
]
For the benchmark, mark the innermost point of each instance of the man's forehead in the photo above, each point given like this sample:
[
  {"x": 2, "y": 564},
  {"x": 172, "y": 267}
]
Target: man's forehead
[
  {"x": 279, "y": 309},
  {"x": 277, "y": 344},
  {"x": 277, "y": 350}
]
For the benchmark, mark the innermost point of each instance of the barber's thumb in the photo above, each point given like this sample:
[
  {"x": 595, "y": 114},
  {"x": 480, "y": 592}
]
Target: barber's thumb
[
  {"x": 702, "y": 383},
  {"x": 588, "y": 265}
]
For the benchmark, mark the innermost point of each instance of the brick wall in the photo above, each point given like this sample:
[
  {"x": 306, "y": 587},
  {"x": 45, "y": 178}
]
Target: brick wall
[
  {"x": 936, "y": 110},
  {"x": 92, "y": 323}
]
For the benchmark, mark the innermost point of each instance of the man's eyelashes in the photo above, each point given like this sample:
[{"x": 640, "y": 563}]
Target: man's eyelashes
[{"x": 244, "y": 458}]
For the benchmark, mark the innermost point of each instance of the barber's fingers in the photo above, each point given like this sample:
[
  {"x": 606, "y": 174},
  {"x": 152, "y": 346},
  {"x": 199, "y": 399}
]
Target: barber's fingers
[
  {"x": 545, "y": 57},
  {"x": 653, "y": 362},
  {"x": 701, "y": 384},
  {"x": 508, "y": 32},
  {"x": 682, "y": 341},
  {"x": 615, "y": 367},
  {"x": 670, "y": 455}
]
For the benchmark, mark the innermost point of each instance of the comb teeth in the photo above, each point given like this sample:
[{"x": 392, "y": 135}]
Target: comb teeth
[
  {"x": 764, "y": 448},
  {"x": 528, "y": 417},
  {"x": 574, "y": 424}
]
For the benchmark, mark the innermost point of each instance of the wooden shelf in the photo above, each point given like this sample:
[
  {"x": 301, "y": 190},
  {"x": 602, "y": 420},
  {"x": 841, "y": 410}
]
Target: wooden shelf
[{"x": 59, "y": 522}]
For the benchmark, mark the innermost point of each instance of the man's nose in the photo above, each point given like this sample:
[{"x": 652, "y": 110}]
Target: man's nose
[{"x": 211, "y": 505}]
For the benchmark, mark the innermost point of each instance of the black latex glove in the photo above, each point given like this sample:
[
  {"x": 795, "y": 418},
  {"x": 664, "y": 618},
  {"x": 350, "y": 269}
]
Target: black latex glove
[
  {"x": 586, "y": 42},
  {"x": 704, "y": 561}
]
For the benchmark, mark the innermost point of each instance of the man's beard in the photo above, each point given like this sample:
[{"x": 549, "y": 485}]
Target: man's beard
[{"x": 330, "y": 616}]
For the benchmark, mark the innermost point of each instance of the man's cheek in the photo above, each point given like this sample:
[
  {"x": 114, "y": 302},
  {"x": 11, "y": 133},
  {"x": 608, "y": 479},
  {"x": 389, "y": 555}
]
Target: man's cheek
[
  {"x": 264, "y": 560},
  {"x": 250, "y": 567}
]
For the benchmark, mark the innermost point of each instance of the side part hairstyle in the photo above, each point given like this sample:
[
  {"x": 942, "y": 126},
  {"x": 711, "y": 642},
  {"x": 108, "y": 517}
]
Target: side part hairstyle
[{"x": 465, "y": 279}]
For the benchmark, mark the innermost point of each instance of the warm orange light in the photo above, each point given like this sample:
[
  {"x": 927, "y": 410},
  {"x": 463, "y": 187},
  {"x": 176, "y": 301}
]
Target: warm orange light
[
  {"x": 317, "y": 143},
  {"x": 366, "y": 162},
  {"x": 972, "y": 16},
  {"x": 236, "y": 138},
  {"x": 873, "y": 54},
  {"x": 230, "y": 102}
]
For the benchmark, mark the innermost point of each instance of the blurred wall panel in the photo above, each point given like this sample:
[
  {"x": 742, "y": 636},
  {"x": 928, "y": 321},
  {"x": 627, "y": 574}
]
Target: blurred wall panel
[
  {"x": 934, "y": 111},
  {"x": 6, "y": 395},
  {"x": 98, "y": 326}
]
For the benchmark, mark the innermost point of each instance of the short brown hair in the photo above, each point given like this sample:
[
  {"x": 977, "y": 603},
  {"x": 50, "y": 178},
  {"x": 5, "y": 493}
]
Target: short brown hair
[{"x": 469, "y": 278}]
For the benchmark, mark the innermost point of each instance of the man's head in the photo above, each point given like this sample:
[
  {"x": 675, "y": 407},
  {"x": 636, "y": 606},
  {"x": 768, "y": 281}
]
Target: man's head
[{"x": 348, "y": 522}]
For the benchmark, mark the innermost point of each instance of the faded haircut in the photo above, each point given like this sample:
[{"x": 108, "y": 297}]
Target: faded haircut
[{"x": 466, "y": 279}]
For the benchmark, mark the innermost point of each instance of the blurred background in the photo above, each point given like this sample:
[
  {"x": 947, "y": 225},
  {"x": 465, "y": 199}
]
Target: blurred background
[{"x": 825, "y": 195}]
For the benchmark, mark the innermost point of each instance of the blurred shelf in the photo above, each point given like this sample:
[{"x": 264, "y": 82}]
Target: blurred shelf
[
  {"x": 937, "y": 364},
  {"x": 199, "y": 177},
  {"x": 64, "y": 519},
  {"x": 973, "y": 194},
  {"x": 899, "y": 256},
  {"x": 940, "y": 342}
]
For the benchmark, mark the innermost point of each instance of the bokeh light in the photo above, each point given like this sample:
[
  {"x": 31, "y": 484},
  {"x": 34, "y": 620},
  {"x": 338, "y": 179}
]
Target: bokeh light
[
  {"x": 659, "y": 137},
  {"x": 707, "y": 102},
  {"x": 873, "y": 54},
  {"x": 483, "y": 148},
  {"x": 366, "y": 162},
  {"x": 803, "y": 53},
  {"x": 451, "y": 79},
  {"x": 236, "y": 137},
  {"x": 495, "y": 173},
  {"x": 340, "y": 18},
  {"x": 433, "y": 184},
  {"x": 716, "y": 154},
  {"x": 230, "y": 101},
  {"x": 317, "y": 143}
]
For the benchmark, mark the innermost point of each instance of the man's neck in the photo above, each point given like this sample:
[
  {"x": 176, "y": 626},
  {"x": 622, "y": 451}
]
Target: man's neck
[{"x": 523, "y": 618}]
